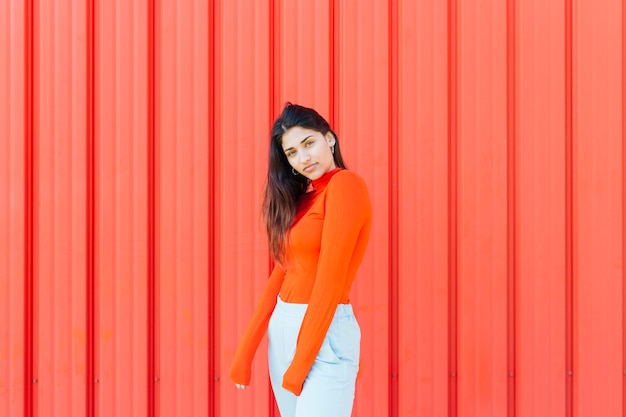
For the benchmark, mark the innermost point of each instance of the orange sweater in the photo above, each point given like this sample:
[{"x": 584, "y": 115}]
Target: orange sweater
[{"x": 326, "y": 245}]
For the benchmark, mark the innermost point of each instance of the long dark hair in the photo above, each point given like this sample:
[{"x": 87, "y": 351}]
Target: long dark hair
[{"x": 283, "y": 189}]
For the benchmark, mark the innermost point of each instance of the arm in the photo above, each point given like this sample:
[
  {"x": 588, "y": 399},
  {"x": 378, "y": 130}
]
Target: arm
[
  {"x": 240, "y": 370},
  {"x": 347, "y": 214}
]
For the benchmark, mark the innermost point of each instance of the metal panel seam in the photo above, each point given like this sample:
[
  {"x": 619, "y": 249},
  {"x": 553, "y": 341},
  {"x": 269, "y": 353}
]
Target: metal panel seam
[
  {"x": 90, "y": 184},
  {"x": 452, "y": 209},
  {"x": 569, "y": 263},
  {"x": 151, "y": 374},
  {"x": 334, "y": 64},
  {"x": 28, "y": 204},
  {"x": 212, "y": 158},
  {"x": 393, "y": 211},
  {"x": 623, "y": 206},
  {"x": 511, "y": 209}
]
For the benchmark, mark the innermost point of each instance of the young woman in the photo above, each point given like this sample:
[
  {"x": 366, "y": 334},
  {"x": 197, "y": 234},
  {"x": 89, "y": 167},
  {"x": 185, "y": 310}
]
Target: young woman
[{"x": 318, "y": 217}]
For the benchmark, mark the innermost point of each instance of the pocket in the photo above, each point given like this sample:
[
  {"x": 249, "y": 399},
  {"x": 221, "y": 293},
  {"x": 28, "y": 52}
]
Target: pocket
[
  {"x": 327, "y": 352},
  {"x": 344, "y": 339}
]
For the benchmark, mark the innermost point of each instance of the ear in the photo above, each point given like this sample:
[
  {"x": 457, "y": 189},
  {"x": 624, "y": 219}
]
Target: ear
[{"x": 330, "y": 138}]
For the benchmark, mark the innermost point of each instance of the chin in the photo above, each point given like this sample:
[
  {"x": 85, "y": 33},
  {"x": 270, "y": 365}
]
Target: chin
[{"x": 314, "y": 175}]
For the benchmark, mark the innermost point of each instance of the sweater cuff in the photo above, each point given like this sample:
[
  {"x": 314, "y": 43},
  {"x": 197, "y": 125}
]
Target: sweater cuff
[
  {"x": 292, "y": 384},
  {"x": 239, "y": 376}
]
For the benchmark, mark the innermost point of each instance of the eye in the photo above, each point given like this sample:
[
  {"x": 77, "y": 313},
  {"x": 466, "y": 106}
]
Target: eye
[
  {"x": 290, "y": 153},
  {"x": 309, "y": 143}
]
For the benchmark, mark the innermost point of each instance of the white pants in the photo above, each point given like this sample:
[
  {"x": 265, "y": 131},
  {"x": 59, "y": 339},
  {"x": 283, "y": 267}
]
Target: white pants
[{"x": 329, "y": 387}]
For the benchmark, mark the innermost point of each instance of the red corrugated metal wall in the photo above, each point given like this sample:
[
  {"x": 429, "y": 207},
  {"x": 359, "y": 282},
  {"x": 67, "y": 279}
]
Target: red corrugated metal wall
[{"x": 133, "y": 142}]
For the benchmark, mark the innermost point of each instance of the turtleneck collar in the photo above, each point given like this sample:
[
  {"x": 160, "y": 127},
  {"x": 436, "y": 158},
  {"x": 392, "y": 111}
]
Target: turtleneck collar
[{"x": 321, "y": 183}]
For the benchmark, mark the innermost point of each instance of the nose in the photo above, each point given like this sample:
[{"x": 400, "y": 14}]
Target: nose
[{"x": 304, "y": 156}]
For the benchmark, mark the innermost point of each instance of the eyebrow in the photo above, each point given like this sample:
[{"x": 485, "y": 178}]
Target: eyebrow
[{"x": 302, "y": 141}]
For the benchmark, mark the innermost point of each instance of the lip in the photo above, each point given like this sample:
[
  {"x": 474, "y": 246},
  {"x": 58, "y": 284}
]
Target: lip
[{"x": 309, "y": 168}]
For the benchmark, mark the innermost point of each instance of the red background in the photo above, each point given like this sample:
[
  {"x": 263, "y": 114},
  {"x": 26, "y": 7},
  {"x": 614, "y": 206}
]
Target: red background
[{"x": 133, "y": 146}]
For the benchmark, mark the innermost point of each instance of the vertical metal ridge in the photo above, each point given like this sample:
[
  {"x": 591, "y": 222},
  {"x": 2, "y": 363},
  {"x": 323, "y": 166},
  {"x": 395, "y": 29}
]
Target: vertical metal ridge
[
  {"x": 274, "y": 59},
  {"x": 90, "y": 215},
  {"x": 28, "y": 206},
  {"x": 511, "y": 98},
  {"x": 157, "y": 103},
  {"x": 393, "y": 212},
  {"x": 623, "y": 161},
  {"x": 273, "y": 7},
  {"x": 151, "y": 374},
  {"x": 334, "y": 65},
  {"x": 212, "y": 299},
  {"x": 569, "y": 215},
  {"x": 452, "y": 209}
]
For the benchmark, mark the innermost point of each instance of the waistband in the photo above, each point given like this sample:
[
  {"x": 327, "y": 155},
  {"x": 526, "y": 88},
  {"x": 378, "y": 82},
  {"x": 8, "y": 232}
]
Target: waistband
[{"x": 298, "y": 310}]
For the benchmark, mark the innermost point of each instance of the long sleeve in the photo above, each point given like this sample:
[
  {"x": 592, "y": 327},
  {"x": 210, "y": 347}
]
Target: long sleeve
[
  {"x": 345, "y": 233},
  {"x": 240, "y": 370}
]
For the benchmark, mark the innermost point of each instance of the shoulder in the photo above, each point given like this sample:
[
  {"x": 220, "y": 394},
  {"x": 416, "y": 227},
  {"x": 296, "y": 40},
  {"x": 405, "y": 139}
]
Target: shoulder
[
  {"x": 347, "y": 196},
  {"x": 347, "y": 187},
  {"x": 347, "y": 180}
]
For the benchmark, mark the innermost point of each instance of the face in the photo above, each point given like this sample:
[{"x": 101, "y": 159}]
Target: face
[{"x": 309, "y": 152}]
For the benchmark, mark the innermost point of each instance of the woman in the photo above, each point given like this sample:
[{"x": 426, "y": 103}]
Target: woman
[{"x": 318, "y": 217}]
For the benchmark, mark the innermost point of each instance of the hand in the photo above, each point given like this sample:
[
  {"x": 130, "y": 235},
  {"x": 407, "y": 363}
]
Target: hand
[{"x": 241, "y": 386}]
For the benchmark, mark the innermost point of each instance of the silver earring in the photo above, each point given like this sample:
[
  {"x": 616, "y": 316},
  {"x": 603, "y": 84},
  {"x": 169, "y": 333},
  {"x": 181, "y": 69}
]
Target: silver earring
[
  {"x": 332, "y": 149},
  {"x": 294, "y": 172}
]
